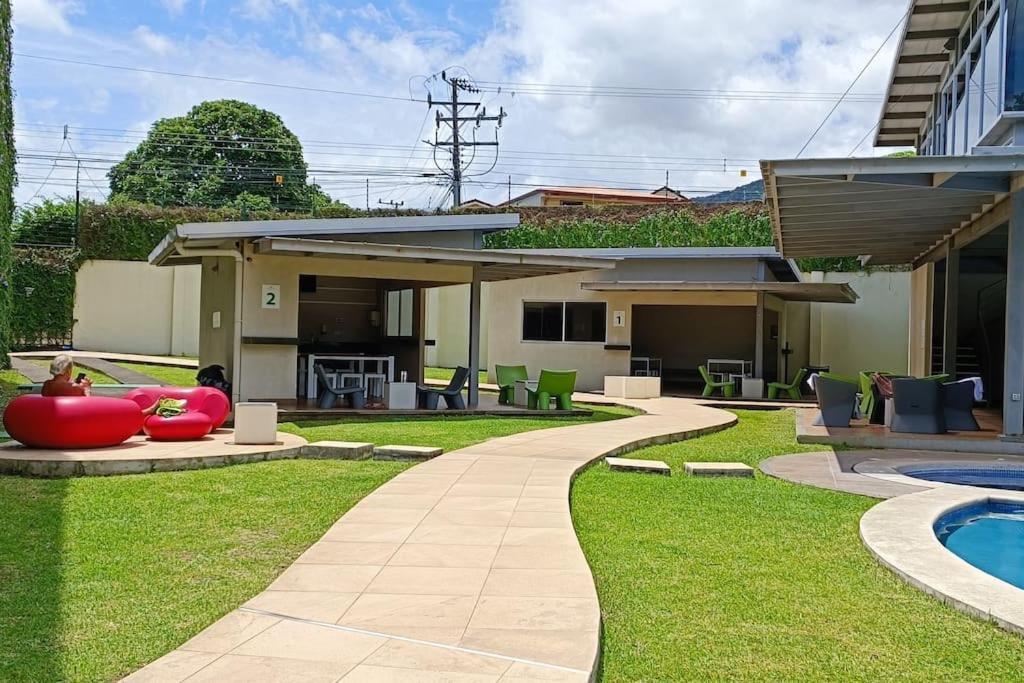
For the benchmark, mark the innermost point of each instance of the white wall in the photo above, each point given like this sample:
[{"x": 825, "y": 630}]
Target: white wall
[
  {"x": 871, "y": 334},
  {"x": 133, "y": 307},
  {"x": 448, "y": 325}
]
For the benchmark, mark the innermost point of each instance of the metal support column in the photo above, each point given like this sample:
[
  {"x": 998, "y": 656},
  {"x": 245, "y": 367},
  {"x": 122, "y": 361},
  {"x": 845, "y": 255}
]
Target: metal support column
[
  {"x": 474, "y": 339},
  {"x": 759, "y": 337},
  {"x": 1013, "y": 366},
  {"x": 949, "y": 320}
]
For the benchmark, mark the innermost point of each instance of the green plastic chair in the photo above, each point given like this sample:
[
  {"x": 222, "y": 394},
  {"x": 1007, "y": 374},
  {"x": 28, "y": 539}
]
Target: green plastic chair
[
  {"x": 792, "y": 389},
  {"x": 507, "y": 376},
  {"x": 728, "y": 388},
  {"x": 552, "y": 383}
]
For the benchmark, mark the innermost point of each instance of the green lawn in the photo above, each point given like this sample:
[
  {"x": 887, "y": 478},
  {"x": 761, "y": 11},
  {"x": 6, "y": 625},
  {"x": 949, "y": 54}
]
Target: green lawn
[
  {"x": 166, "y": 374},
  {"x": 10, "y": 380},
  {"x": 710, "y": 579},
  {"x": 449, "y": 432},
  {"x": 445, "y": 374},
  {"x": 101, "y": 575}
]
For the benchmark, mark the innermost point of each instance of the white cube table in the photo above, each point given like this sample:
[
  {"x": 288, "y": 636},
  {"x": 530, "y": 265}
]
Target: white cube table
[
  {"x": 752, "y": 387},
  {"x": 400, "y": 395},
  {"x": 521, "y": 398},
  {"x": 621, "y": 386},
  {"x": 255, "y": 423}
]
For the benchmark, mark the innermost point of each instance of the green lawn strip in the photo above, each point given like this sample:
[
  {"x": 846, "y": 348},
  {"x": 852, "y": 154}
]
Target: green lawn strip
[
  {"x": 710, "y": 578},
  {"x": 165, "y": 374},
  {"x": 448, "y": 432},
  {"x": 96, "y": 376},
  {"x": 445, "y": 374},
  {"x": 10, "y": 380},
  {"x": 101, "y": 575}
]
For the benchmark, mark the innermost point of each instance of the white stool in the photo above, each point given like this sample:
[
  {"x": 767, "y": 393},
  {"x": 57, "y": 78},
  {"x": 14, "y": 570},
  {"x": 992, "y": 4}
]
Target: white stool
[
  {"x": 255, "y": 423},
  {"x": 350, "y": 379}
]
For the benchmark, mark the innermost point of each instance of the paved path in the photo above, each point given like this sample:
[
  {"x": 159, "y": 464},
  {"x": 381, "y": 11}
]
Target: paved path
[
  {"x": 33, "y": 373},
  {"x": 130, "y": 357},
  {"x": 465, "y": 567},
  {"x": 121, "y": 374}
]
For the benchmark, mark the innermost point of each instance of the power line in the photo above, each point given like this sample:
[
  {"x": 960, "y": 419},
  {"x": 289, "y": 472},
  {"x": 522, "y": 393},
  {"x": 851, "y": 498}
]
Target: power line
[
  {"x": 874, "y": 54},
  {"x": 221, "y": 79}
]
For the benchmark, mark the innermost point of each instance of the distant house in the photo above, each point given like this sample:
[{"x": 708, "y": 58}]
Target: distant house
[
  {"x": 595, "y": 196},
  {"x": 476, "y": 204}
]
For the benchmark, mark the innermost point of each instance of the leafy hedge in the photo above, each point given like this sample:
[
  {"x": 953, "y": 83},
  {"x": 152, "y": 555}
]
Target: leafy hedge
[
  {"x": 7, "y": 178},
  {"x": 43, "y": 283}
]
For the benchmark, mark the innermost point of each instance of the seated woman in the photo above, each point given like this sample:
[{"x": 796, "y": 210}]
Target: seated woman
[{"x": 60, "y": 384}]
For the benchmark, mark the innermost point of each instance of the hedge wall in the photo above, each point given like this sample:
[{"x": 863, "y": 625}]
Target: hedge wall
[
  {"x": 43, "y": 281},
  {"x": 7, "y": 178}
]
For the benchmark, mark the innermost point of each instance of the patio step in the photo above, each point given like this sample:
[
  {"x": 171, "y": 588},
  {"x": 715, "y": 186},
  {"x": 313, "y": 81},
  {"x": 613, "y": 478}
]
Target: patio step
[
  {"x": 416, "y": 453},
  {"x": 718, "y": 469},
  {"x": 634, "y": 465},
  {"x": 338, "y": 450}
]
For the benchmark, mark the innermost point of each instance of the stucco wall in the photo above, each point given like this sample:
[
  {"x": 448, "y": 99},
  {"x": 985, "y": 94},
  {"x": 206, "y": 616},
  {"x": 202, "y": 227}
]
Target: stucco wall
[
  {"x": 870, "y": 334},
  {"x": 133, "y": 307},
  {"x": 920, "y": 323},
  {"x": 504, "y": 304},
  {"x": 448, "y": 326}
]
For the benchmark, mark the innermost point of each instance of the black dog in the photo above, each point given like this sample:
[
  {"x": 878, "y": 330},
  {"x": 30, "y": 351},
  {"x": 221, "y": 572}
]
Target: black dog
[{"x": 213, "y": 376}]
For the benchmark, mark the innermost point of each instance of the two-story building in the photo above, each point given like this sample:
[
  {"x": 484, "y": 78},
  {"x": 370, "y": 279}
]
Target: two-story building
[{"x": 955, "y": 212}]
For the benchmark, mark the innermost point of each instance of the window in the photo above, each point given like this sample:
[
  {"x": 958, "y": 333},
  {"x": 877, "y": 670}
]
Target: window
[
  {"x": 557, "y": 321},
  {"x": 398, "y": 322}
]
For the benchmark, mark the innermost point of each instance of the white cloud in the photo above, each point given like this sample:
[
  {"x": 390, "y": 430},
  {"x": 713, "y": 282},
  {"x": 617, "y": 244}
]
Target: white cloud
[
  {"x": 800, "y": 45},
  {"x": 154, "y": 42},
  {"x": 45, "y": 14},
  {"x": 174, "y": 6}
]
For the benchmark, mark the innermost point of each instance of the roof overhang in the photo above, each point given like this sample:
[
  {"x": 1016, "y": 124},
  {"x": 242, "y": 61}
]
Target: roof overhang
[
  {"x": 918, "y": 69},
  {"x": 209, "y": 234},
  {"x": 826, "y": 292},
  {"x": 493, "y": 265},
  {"x": 892, "y": 210}
]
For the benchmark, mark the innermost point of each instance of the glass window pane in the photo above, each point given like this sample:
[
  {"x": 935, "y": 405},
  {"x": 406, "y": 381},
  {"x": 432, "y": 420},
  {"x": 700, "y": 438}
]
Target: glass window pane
[
  {"x": 392, "y": 314},
  {"x": 405, "y": 321},
  {"x": 542, "y": 321},
  {"x": 1014, "y": 86},
  {"x": 584, "y": 321}
]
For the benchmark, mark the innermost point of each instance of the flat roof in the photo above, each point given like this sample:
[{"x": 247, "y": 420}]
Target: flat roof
[
  {"x": 826, "y": 292},
  {"x": 494, "y": 265},
  {"x": 894, "y": 210},
  {"x": 312, "y": 227},
  {"x": 918, "y": 68}
]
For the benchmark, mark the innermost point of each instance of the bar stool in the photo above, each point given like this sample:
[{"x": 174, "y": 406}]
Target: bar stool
[{"x": 374, "y": 383}]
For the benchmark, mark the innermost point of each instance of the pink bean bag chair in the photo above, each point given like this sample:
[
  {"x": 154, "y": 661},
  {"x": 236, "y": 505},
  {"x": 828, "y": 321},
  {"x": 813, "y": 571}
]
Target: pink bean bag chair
[
  {"x": 211, "y": 402},
  {"x": 71, "y": 421}
]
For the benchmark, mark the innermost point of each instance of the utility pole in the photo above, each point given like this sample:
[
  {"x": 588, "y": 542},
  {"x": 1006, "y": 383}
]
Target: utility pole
[
  {"x": 367, "y": 195},
  {"x": 455, "y": 120}
]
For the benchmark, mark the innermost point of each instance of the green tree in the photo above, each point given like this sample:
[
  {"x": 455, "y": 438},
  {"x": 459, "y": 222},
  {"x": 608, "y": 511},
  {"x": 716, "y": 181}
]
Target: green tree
[
  {"x": 7, "y": 178},
  {"x": 219, "y": 150}
]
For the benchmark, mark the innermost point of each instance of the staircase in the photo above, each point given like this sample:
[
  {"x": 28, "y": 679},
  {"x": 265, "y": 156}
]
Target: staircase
[{"x": 968, "y": 364}]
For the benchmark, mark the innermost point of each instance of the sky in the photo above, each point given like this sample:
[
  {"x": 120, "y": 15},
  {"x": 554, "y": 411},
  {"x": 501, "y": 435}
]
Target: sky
[{"x": 597, "y": 92}]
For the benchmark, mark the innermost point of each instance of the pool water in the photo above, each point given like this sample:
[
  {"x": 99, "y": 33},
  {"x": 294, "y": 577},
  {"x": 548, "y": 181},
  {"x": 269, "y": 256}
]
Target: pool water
[
  {"x": 989, "y": 536},
  {"x": 1006, "y": 477}
]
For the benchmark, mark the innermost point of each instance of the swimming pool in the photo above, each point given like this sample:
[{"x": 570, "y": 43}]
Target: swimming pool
[
  {"x": 994, "y": 476},
  {"x": 988, "y": 535}
]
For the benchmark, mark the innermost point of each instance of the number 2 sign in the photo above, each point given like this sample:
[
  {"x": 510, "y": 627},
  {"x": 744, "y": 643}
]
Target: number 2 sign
[{"x": 271, "y": 296}]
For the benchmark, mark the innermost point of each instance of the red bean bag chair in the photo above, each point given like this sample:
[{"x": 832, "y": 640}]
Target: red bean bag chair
[
  {"x": 71, "y": 421},
  {"x": 184, "y": 427},
  {"x": 211, "y": 402}
]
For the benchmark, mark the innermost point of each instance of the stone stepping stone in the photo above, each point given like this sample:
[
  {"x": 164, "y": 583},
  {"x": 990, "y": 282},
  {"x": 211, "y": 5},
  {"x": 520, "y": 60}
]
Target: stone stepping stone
[
  {"x": 338, "y": 450},
  {"x": 417, "y": 453},
  {"x": 718, "y": 469},
  {"x": 632, "y": 465}
]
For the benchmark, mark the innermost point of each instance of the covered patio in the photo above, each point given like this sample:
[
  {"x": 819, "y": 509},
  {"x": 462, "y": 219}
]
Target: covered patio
[
  {"x": 286, "y": 304},
  {"x": 931, "y": 214}
]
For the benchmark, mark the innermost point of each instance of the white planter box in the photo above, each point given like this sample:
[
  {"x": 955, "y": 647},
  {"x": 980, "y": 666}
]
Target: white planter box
[
  {"x": 620, "y": 386},
  {"x": 752, "y": 387},
  {"x": 256, "y": 423}
]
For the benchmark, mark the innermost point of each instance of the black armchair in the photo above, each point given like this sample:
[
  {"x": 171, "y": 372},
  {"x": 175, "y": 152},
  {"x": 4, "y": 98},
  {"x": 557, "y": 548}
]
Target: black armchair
[
  {"x": 958, "y": 402},
  {"x": 427, "y": 397},
  {"x": 918, "y": 406},
  {"x": 356, "y": 396}
]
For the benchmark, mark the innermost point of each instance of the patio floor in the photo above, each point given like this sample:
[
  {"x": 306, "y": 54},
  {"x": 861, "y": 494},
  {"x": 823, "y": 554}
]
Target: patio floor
[
  {"x": 860, "y": 434},
  {"x": 139, "y": 455},
  {"x": 302, "y": 409},
  {"x": 466, "y": 567}
]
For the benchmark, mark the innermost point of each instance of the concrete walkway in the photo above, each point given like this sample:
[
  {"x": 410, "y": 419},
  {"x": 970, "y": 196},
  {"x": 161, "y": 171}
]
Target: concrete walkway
[
  {"x": 834, "y": 470},
  {"x": 129, "y": 357},
  {"x": 465, "y": 567}
]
